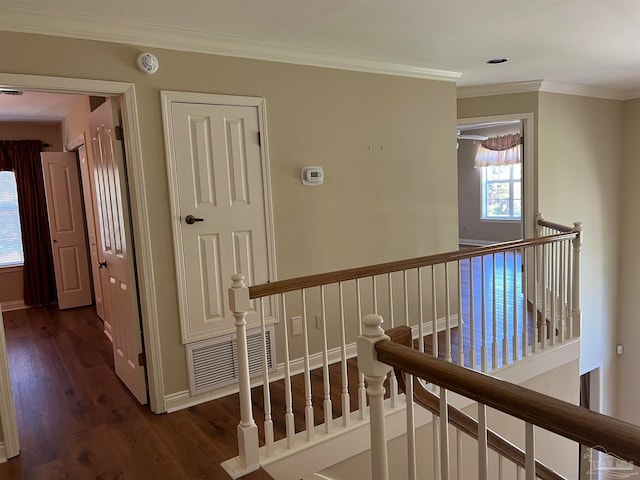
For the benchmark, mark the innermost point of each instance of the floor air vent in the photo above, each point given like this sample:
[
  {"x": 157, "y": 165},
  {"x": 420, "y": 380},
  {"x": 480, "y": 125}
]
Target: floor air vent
[{"x": 213, "y": 363}]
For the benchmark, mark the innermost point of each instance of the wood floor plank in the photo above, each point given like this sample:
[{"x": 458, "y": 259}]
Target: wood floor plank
[{"x": 76, "y": 420}]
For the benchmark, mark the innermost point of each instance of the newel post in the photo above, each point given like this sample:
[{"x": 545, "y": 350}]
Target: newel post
[
  {"x": 576, "y": 313},
  {"x": 375, "y": 373},
  {"x": 239, "y": 304}
]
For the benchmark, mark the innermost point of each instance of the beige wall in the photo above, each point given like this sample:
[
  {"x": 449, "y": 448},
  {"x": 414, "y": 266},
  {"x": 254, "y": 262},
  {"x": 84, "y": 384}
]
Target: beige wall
[
  {"x": 579, "y": 165},
  {"x": 376, "y": 205},
  {"x": 629, "y": 264},
  {"x": 470, "y": 223},
  {"x": 11, "y": 278}
]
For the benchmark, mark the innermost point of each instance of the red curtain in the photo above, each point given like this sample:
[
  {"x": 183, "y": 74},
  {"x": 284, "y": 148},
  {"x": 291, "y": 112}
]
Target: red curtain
[{"x": 23, "y": 157}]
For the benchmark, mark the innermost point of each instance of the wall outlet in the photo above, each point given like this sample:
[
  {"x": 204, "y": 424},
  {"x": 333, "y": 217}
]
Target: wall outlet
[
  {"x": 619, "y": 349},
  {"x": 296, "y": 326},
  {"x": 319, "y": 322}
]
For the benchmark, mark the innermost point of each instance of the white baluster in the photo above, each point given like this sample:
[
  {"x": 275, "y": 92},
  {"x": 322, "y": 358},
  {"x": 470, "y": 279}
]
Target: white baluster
[
  {"x": 494, "y": 344},
  {"x": 375, "y": 373},
  {"x": 434, "y": 318},
  {"x": 530, "y": 452},
  {"x": 569, "y": 290},
  {"x": 483, "y": 450},
  {"x": 447, "y": 335},
  {"x": 289, "y": 420},
  {"x": 444, "y": 435},
  {"x": 516, "y": 274},
  {"x": 406, "y": 298},
  {"x": 327, "y": 407},
  {"x": 505, "y": 318},
  {"x": 374, "y": 294},
  {"x": 544, "y": 327},
  {"x": 554, "y": 291},
  {"x": 534, "y": 340},
  {"x": 411, "y": 429},
  {"x": 435, "y": 427},
  {"x": 420, "y": 313},
  {"x": 472, "y": 321},
  {"x": 459, "y": 455},
  {"x": 500, "y": 467},
  {"x": 460, "y": 319},
  {"x": 240, "y": 304},
  {"x": 308, "y": 399},
  {"x": 393, "y": 381},
  {"x": 362, "y": 393},
  {"x": 346, "y": 400},
  {"x": 483, "y": 349},
  {"x": 576, "y": 312},
  {"x": 525, "y": 299},
  {"x": 563, "y": 280},
  {"x": 268, "y": 422}
]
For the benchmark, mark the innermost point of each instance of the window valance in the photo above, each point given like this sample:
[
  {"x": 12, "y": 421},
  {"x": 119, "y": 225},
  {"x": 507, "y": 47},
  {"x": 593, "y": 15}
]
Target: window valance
[{"x": 499, "y": 151}]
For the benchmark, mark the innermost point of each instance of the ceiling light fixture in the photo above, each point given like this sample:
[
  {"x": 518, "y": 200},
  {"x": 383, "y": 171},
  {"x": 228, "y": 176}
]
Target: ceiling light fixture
[{"x": 496, "y": 61}]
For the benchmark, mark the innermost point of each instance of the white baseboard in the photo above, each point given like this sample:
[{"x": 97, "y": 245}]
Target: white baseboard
[
  {"x": 183, "y": 399},
  {"x": 13, "y": 305},
  {"x": 478, "y": 243}
]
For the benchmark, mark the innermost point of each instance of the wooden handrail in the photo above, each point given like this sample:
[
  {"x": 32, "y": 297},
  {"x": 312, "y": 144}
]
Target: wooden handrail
[
  {"x": 462, "y": 421},
  {"x": 283, "y": 286},
  {"x": 570, "y": 421},
  {"x": 555, "y": 226}
]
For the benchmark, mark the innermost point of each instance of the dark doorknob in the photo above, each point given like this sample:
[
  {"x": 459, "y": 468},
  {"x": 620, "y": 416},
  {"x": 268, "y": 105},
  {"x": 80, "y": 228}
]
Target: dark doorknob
[
  {"x": 102, "y": 264},
  {"x": 190, "y": 219}
]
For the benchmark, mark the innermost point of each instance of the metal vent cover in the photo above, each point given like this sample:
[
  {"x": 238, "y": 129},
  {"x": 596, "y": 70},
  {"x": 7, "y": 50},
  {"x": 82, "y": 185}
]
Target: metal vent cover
[{"x": 213, "y": 363}]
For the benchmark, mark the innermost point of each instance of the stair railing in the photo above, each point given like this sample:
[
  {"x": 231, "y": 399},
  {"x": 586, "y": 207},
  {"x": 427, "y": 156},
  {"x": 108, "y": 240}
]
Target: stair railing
[
  {"x": 572, "y": 422},
  {"x": 476, "y": 308}
]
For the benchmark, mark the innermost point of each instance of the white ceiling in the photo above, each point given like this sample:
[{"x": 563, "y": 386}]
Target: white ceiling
[
  {"x": 594, "y": 43},
  {"x": 36, "y": 106}
]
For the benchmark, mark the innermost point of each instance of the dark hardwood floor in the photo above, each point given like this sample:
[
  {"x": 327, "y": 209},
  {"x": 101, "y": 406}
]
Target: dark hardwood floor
[{"x": 77, "y": 421}]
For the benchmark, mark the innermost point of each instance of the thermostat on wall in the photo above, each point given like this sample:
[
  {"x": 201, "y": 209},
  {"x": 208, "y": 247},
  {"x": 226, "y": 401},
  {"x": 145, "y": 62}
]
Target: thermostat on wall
[{"x": 312, "y": 176}]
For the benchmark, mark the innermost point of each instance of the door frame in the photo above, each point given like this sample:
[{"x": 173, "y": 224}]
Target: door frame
[
  {"x": 139, "y": 214},
  {"x": 168, "y": 97},
  {"x": 530, "y": 162}
]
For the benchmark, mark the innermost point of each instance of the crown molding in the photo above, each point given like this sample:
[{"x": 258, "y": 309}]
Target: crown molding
[
  {"x": 498, "y": 89},
  {"x": 547, "y": 87},
  {"x": 583, "y": 90},
  {"x": 24, "y": 20}
]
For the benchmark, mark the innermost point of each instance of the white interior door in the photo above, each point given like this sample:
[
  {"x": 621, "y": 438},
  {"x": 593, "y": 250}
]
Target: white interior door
[
  {"x": 66, "y": 224},
  {"x": 223, "y": 222},
  {"x": 121, "y": 292},
  {"x": 89, "y": 208}
]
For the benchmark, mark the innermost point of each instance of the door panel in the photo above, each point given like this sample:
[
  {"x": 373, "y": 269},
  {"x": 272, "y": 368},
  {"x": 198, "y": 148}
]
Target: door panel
[
  {"x": 121, "y": 301},
  {"x": 66, "y": 223},
  {"x": 89, "y": 209},
  {"x": 218, "y": 168}
]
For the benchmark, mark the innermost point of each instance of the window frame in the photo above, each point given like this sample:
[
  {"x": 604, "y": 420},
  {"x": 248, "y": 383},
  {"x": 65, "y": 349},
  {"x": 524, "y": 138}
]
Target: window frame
[
  {"x": 5, "y": 266},
  {"x": 483, "y": 195}
]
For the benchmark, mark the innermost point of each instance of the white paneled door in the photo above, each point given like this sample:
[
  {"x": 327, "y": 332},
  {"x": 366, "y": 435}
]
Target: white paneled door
[
  {"x": 120, "y": 293},
  {"x": 220, "y": 198},
  {"x": 66, "y": 225}
]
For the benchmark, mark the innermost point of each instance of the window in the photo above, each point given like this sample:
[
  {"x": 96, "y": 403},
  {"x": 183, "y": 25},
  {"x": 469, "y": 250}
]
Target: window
[
  {"x": 502, "y": 192},
  {"x": 10, "y": 236}
]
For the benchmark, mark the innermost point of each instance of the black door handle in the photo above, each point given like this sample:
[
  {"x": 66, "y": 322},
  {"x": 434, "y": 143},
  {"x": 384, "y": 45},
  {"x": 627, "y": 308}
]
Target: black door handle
[
  {"x": 190, "y": 219},
  {"x": 102, "y": 264}
]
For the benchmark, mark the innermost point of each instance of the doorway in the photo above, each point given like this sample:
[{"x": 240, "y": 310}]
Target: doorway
[
  {"x": 495, "y": 204},
  {"x": 140, "y": 227}
]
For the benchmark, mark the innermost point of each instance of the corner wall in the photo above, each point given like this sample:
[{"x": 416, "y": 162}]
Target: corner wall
[
  {"x": 579, "y": 162},
  {"x": 628, "y": 334}
]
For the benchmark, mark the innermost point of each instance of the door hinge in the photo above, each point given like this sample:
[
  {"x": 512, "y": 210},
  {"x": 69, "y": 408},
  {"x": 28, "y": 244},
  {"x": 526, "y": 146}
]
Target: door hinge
[
  {"x": 142, "y": 359},
  {"x": 118, "y": 132},
  {"x": 259, "y": 139}
]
